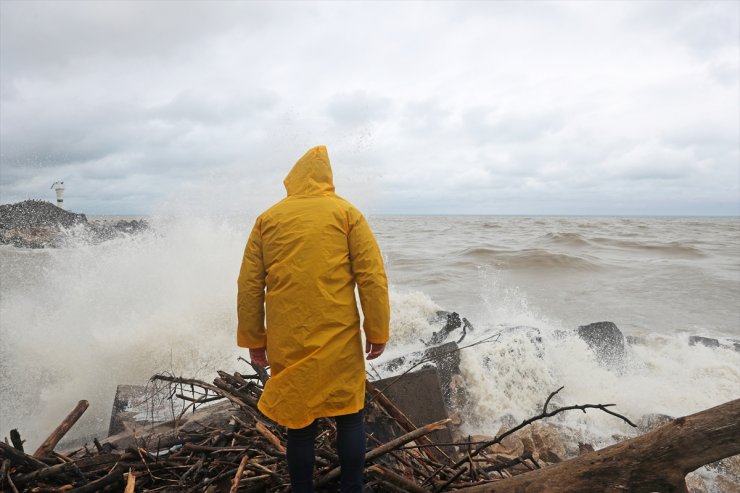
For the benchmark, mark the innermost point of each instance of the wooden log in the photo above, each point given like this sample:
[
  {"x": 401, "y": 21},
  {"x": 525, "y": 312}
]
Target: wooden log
[
  {"x": 270, "y": 436},
  {"x": 18, "y": 457},
  {"x": 396, "y": 479},
  {"x": 224, "y": 385},
  {"x": 656, "y": 461},
  {"x": 116, "y": 475},
  {"x": 61, "y": 430},
  {"x": 205, "y": 448},
  {"x": 48, "y": 472},
  {"x": 238, "y": 475}
]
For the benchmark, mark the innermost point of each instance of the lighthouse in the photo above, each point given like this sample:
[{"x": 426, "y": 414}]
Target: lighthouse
[{"x": 58, "y": 187}]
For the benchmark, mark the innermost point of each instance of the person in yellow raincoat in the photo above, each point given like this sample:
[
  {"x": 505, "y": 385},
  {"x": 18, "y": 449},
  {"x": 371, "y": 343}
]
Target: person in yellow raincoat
[{"x": 297, "y": 311}]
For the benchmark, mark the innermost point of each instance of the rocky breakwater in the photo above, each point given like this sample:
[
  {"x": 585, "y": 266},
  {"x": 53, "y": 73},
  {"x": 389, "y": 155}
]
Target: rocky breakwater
[{"x": 41, "y": 224}]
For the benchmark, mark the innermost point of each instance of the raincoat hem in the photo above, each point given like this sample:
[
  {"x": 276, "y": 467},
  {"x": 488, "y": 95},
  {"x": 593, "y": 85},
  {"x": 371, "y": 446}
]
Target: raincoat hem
[{"x": 296, "y": 425}]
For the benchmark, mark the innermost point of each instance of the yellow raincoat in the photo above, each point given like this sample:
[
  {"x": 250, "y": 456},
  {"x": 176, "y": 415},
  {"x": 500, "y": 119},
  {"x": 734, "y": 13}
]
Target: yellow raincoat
[{"x": 308, "y": 251}]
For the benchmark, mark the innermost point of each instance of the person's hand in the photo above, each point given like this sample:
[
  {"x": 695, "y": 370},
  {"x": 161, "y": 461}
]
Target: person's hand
[
  {"x": 258, "y": 356},
  {"x": 373, "y": 350}
]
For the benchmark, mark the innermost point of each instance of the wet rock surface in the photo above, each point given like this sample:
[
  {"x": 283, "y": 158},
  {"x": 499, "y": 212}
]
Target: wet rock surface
[
  {"x": 41, "y": 224},
  {"x": 37, "y": 214},
  {"x": 649, "y": 422},
  {"x": 606, "y": 340},
  {"x": 704, "y": 341}
]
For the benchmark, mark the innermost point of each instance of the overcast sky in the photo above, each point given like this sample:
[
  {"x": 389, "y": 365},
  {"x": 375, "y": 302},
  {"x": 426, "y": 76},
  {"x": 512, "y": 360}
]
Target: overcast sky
[{"x": 473, "y": 108}]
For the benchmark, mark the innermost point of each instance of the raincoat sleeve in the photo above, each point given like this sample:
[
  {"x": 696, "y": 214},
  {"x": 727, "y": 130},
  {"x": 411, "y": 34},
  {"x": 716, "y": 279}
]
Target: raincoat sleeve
[
  {"x": 367, "y": 267},
  {"x": 250, "y": 302}
]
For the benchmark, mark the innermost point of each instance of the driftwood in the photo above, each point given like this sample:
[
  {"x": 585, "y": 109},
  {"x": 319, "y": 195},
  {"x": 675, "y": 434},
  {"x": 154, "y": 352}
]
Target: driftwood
[
  {"x": 61, "y": 430},
  {"x": 656, "y": 461},
  {"x": 393, "y": 478},
  {"x": 16, "y": 455}
]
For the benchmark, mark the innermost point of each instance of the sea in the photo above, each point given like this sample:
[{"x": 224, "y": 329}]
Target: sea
[{"x": 76, "y": 321}]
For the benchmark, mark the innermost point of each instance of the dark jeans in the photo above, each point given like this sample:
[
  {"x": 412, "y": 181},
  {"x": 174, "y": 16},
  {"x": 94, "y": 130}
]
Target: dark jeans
[{"x": 350, "y": 447}]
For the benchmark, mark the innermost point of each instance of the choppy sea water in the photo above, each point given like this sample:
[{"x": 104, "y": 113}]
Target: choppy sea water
[{"x": 77, "y": 321}]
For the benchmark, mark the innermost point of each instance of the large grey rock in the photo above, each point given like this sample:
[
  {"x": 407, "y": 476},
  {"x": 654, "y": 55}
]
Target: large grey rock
[
  {"x": 704, "y": 341},
  {"x": 636, "y": 340},
  {"x": 165, "y": 434},
  {"x": 445, "y": 358},
  {"x": 419, "y": 396},
  {"x": 139, "y": 405},
  {"x": 606, "y": 340}
]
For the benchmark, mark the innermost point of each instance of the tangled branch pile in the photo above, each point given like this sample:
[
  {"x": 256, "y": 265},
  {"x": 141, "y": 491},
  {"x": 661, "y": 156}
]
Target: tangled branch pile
[{"x": 231, "y": 446}]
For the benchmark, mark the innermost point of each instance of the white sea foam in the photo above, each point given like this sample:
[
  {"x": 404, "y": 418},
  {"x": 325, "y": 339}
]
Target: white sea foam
[{"x": 97, "y": 316}]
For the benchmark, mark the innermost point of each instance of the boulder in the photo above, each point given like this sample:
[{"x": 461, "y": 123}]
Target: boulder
[
  {"x": 449, "y": 321},
  {"x": 419, "y": 396},
  {"x": 544, "y": 442},
  {"x": 445, "y": 358},
  {"x": 704, "y": 341},
  {"x": 548, "y": 443},
  {"x": 727, "y": 485},
  {"x": 696, "y": 484},
  {"x": 606, "y": 340},
  {"x": 636, "y": 340},
  {"x": 138, "y": 405}
]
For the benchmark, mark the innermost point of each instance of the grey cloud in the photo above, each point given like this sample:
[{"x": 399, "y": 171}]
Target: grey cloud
[
  {"x": 56, "y": 35},
  {"x": 703, "y": 27},
  {"x": 425, "y": 107},
  {"x": 358, "y": 108},
  {"x": 425, "y": 118},
  {"x": 486, "y": 125},
  {"x": 726, "y": 73},
  {"x": 208, "y": 108},
  {"x": 510, "y": 11}
]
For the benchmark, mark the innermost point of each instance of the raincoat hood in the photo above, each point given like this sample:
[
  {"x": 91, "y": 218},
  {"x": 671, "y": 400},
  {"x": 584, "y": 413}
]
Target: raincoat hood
[{"x": 311, "y": 174}]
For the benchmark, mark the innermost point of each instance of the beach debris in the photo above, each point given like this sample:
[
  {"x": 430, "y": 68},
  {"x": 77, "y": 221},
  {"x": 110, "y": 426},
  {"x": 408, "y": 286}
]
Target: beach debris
[
  {"x": 228, "y": 445},
  {"x": 184, "y": 434},
  {"x": 656, "y": 461}
]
